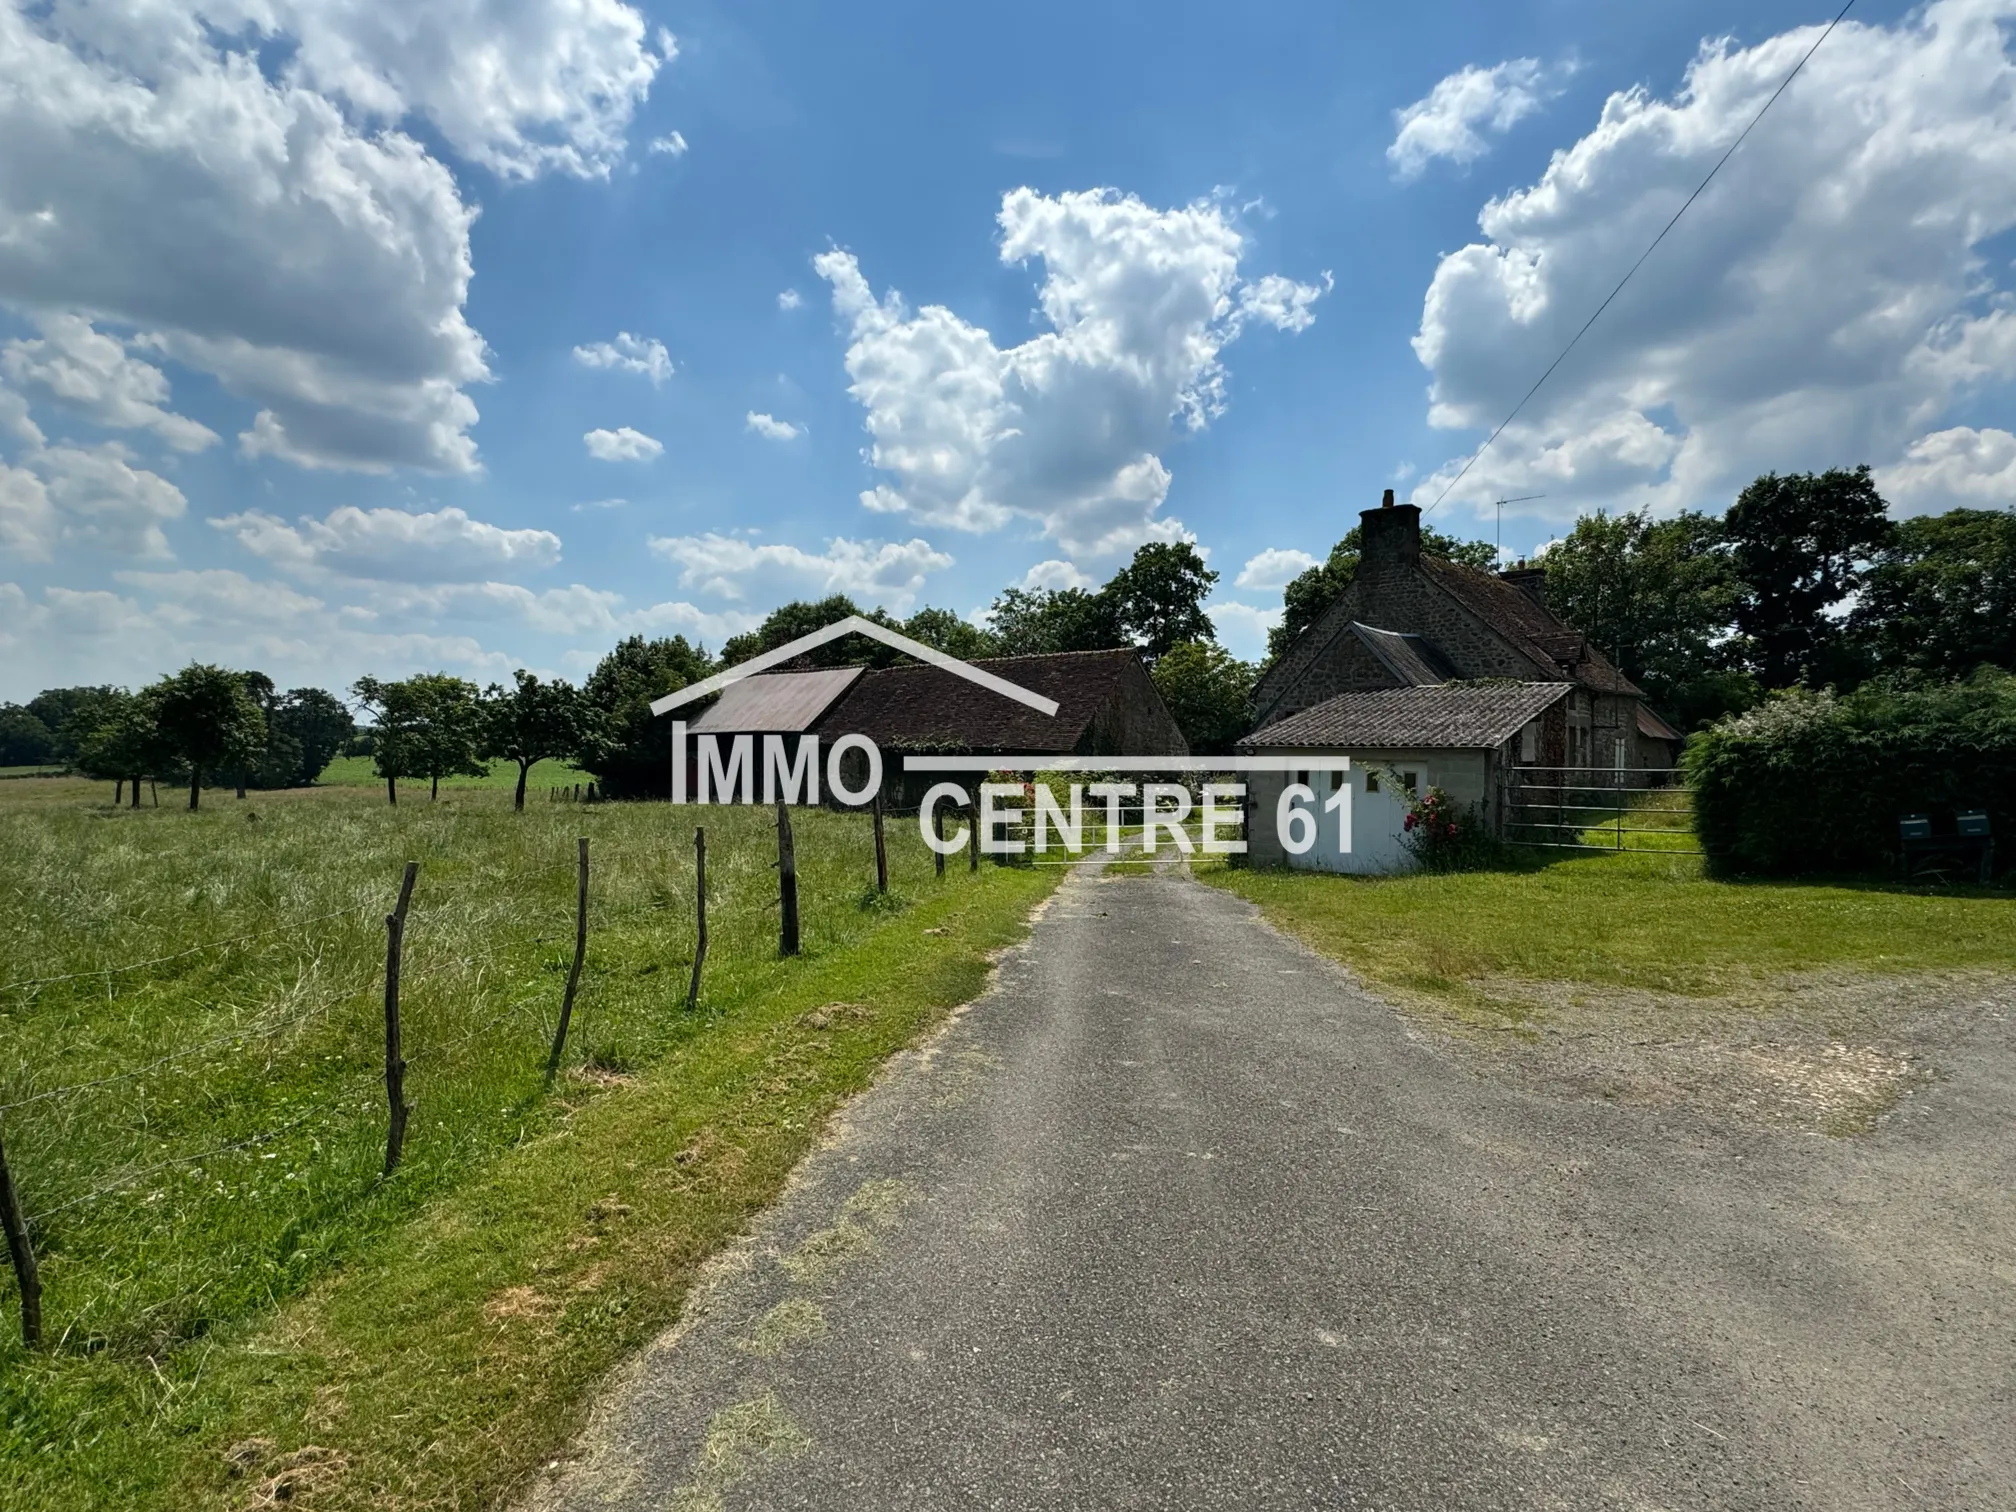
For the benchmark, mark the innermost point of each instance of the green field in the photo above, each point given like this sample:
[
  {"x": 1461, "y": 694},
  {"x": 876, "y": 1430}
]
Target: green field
[
  {"x": 1639, "y": 920},
  {"x": 222, "y": 1263},
  {"x": 356, "y": 771}
]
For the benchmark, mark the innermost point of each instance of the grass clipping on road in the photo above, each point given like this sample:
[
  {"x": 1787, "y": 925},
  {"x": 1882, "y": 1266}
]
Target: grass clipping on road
[
  {"x": 1635, "y": 978},
  {"x": 239, "y": 1341}
]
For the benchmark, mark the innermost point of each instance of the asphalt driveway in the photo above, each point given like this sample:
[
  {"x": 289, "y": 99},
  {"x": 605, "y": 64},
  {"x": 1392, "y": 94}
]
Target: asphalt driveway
[{"x": 1180, "y": 1217}]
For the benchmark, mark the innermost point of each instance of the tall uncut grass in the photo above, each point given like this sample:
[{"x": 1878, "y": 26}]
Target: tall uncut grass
[{"x": 234, "y": 1153}]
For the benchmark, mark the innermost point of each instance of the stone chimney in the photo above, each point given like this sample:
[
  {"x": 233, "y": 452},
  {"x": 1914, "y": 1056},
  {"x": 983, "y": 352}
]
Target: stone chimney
[
  {"x": 1389, "y": 538},
  {"x": 1529, "y": 579}
]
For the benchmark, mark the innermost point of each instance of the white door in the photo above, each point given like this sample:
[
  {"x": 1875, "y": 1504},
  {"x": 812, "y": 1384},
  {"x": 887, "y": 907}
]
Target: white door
[{"x": 1378, "y": 814}]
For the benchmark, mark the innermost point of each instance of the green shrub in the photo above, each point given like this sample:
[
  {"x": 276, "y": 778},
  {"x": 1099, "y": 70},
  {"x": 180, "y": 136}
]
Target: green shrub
[
  {"x": 1815, "y": 782},
  {"x": 1445, "y": 838}
]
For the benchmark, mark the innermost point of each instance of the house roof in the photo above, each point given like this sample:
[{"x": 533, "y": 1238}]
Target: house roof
[
  {"x": 1413, "y": 660},
  {"x": 775, "y": 702},
  {"x": 1528, "y": 624},
  {"x": 1653, "y": 727},
  {"x": 1466, "y": 716},
  {"x": 927, "y": 706}
]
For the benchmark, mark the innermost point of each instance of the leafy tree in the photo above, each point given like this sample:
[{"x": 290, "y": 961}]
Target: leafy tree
[
  {"x": 1208, "y": 690},
  {"x": 267, "y": 697},
  {"x": 532, "y": 722},
  {"x": 947, "y": 632},
  {"x": 1160, "y": 595},
  {"x": 1309, "y": 596},
  {"x": 208, "y": 721},
  {"x": 126, "y": 744},
  {"x": 24, "y": 739},
  {"x": 1658, "y": 596},
  {"x": 69, "y": 714},
  {"x": 428, "y": 726},
  {"x": 628, "y": 747},
  {"x": 801, "y": 617},
  {"x": 315, "y": 725},
  {"x": 1041, "y": 621},
  {"x": 1801, "y": 545},
  {"x": 1940, "y": 597},
  {"x": 394, "y": 738}
]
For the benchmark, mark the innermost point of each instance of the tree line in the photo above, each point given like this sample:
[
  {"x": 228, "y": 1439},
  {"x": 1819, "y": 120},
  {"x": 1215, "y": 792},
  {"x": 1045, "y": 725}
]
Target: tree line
[{"x": 1806, "y": 581}]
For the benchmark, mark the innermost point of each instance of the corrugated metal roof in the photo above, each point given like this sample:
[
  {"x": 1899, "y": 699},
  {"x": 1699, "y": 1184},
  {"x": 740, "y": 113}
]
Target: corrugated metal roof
[
  {"x": 1467, "y": 717},
  {"x": 1655, "y": 728},
  {"x": 1413, "y": 660},
  {"x": 775, "y": 702}
]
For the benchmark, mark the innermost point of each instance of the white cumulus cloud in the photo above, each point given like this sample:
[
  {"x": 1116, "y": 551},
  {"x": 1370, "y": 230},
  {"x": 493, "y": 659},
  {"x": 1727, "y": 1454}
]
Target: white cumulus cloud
[
  {"x": 94, "y": 373},
  {"x": 1958, "y": 468},
  {"x": 789, "y": 299},
  {"x": 1825, "y": 302},
  {"x": 622, "y": 445},
  {"x": 1242, "y": 628},
  {"x": 392, "y": 543},
  {"x": 236, "y": 180},
  {"x": 672, "y": 144},
  {"x": 1057, "y": 573},
  {"x": 642, "y": 355},
  {"x": 1273, "y": 568},
  {"x": 1063, "y": 429},
  {"x": 771, "y": 428},
  {"x": 888, "y": 572},
  {"x": 1457, "y": 116}
]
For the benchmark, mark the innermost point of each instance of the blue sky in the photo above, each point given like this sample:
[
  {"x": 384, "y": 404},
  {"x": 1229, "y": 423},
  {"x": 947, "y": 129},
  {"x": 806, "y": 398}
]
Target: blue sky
[{"x": 269, "y": 395}]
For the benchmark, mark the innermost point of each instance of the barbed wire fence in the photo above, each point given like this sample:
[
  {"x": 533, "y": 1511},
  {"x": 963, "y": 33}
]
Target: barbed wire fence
[{"x": 26, "y": 1225}]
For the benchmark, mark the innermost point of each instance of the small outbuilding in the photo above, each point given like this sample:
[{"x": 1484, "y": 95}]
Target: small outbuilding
[{"x": 1462, "y": 737}]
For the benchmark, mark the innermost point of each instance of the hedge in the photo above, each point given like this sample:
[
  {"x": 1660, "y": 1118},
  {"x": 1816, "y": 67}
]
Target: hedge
[{"x": 1815, "y": 782}]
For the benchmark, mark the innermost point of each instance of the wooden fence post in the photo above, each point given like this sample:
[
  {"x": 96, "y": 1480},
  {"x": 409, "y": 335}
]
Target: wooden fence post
[
  {"x": 787, "y": 884},
  {"x": 395, "y": 1064},
  {"x": 580, "y": 955},
  {"x": 938, "y": 832},
  {"x": 22, "y": 1253},
  {"x": 700, "y": 904},
  {"x": 881, "y": 851}
]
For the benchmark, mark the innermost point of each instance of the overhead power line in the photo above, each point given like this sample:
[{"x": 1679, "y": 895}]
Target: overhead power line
[{"x": 1787, "y": 84}]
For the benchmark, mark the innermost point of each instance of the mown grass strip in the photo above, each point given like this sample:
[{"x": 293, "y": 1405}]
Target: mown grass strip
[{"x": 1637, "y": 920}]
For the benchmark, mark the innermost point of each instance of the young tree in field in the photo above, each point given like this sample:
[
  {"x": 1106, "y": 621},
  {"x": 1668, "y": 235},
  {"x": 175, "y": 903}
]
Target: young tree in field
[
  {"x": 126, "y": 744},
  {"x": 208, "y": 721},
  {"x": 532, "y": 722},
  {"x": 428, "y": 726},
  {"x": 1801, "y": 545},
  {"x": 1309, "y": 596},
  {"x": 1208, "y": 690},
  {"x": 627, "y": 746},
  {"x": 69, "y": 714},
  {"x": 1941, "y": 595},
  {"x": 394, "y": 713},
  {"x": 1160, "y": 595}
]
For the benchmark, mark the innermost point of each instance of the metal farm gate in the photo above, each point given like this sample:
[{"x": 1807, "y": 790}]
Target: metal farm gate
[{"x": 1596, "y": 808}]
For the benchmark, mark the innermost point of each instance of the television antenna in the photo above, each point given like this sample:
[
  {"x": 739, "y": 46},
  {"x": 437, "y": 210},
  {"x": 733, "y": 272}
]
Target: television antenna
[{"x": 1500, "y": 504}]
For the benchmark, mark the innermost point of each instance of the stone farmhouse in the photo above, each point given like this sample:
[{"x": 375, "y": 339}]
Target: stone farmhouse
[{"x": 1429, "y": 673}]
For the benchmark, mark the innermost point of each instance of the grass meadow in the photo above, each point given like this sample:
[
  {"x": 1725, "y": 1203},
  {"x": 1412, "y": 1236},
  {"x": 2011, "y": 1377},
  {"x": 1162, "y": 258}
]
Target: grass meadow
[
  {"x": 1640, "y": 920},
  {"x": 198, "y": 1140}
]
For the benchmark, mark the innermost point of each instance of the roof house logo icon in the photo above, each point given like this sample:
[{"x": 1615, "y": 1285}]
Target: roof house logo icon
[{"x": 853, "y": 624}]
